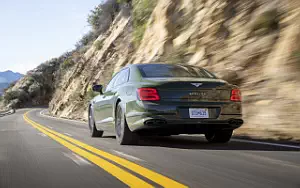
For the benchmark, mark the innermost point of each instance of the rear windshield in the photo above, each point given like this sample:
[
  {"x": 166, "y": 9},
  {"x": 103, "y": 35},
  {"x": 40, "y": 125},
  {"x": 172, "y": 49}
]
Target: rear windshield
[{"x": 161, "y": 70}]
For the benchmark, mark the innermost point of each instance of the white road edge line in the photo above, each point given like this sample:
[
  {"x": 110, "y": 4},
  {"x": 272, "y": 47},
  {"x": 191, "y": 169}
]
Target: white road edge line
[
  {"x": 265, "y": 143},
  {"x": 128, "y": 156},
  {"x": 77, "y": 159},
  {"x": 70, "y": 120}
]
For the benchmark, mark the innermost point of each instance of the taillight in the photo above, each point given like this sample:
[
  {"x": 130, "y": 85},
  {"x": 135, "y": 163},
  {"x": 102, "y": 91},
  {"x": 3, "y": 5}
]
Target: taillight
[
  {"x": 148, "y": 94},
  {"x": 236, "y": 95}
]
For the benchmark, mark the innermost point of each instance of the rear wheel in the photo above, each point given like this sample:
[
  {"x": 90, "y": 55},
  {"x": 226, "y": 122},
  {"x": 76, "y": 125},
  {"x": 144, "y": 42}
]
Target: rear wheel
[
  {"x": 93, "y": 131},
  {"x": 123, "y": 134},
  {"x": 219, "y": 136}
]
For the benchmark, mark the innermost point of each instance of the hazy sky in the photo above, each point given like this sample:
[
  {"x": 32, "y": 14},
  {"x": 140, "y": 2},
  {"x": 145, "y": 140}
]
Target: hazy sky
[{"x": 34, "y": 31}]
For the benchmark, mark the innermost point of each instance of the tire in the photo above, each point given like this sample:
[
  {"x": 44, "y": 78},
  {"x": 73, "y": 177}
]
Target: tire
[
  {"x": 123, "y": 135},
  {"x": 93, "y": 131},
  {"x": 219, "y": 136}
]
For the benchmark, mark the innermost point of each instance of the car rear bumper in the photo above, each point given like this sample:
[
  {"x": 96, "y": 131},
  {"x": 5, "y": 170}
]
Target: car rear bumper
[
  {"x": 174, "y": 117},
  {"x": 169, "y": 124}
]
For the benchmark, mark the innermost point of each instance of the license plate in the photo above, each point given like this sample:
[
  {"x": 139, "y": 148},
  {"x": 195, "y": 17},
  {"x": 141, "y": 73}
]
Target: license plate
[{"x": 199, "y": 113}]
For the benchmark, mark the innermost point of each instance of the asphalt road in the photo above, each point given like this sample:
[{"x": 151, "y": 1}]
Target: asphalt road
[{"x": 42, "y": 152}]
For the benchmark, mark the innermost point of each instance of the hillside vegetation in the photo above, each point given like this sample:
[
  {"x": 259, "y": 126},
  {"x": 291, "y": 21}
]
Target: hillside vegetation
[{"x": 251, "y": 43}]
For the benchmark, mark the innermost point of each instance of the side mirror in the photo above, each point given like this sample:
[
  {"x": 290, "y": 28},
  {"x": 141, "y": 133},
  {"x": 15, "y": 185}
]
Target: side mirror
[{"x": 98, "y": 88}]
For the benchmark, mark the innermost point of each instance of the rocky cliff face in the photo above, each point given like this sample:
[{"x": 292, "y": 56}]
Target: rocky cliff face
[
  {"x": 251, "y": 43},
  {"x": 96, "y": 65},
  {"x": 254, "y": 44}
]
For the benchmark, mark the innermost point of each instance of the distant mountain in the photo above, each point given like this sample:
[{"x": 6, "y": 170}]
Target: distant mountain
[{"x": 7, "y": 78}]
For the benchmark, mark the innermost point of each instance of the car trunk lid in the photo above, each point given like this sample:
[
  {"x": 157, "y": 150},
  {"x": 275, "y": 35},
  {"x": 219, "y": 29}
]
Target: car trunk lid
[{"x": 191, "y": 89}]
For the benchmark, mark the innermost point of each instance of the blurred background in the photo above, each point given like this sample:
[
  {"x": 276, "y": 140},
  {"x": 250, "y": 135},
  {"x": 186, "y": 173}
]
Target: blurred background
[{"x": 254, "y": 44}]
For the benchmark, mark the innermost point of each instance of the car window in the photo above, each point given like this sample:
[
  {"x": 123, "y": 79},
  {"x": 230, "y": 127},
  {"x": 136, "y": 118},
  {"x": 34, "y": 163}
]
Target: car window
[
  {"x": 111, "y": 83},
  {"x": 164, "y": 70},
  {"x": 122, "y": 78}
]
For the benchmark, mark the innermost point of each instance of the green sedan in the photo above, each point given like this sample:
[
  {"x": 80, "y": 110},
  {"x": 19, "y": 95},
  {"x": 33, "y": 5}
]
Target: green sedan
[{"x": 164, "y": 100}]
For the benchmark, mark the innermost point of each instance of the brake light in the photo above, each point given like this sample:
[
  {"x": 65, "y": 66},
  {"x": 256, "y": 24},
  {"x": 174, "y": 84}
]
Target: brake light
[
  {"x": 148, "y": 94},
  {"x": 236, "y": 95}
]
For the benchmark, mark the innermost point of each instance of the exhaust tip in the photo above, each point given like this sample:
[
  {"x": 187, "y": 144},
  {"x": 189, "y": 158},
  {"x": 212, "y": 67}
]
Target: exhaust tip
[
  {"x": 236, "y": 122},
  {"x": 154, "y": 122}
]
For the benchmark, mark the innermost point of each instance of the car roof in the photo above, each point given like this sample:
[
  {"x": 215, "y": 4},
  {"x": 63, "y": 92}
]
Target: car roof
[{"x": 136, "y": 65}]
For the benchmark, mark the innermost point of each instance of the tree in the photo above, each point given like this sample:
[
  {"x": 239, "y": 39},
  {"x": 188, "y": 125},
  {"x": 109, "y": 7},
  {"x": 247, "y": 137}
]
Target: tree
[{"x": 102, "y": 16}]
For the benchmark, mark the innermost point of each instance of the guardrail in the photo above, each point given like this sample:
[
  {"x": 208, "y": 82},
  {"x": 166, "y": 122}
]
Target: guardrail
[{"x": 7, "y": 112}]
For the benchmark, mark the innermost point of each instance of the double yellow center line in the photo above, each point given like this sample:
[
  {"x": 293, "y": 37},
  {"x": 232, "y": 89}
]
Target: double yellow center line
[{"x": 98, "y": 157}]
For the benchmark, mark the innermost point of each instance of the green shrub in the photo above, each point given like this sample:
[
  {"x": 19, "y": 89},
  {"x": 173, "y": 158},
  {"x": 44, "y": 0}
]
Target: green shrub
[
  {"x": 21, "y": 95},
  {"x": 98, "y": 44},
  {"x": 94, "y": 17},
  {"x": 142, "y": 10},
  {"x": 67, "y": 63},
  {"x": 30, "y": 79},
  {"x": 102, "y": 15},
  {"x": 11, "y": 95}
]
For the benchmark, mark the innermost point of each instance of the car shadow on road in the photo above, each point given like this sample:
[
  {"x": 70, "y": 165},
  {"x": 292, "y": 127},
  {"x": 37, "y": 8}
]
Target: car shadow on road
[{"x": 199, "y": 143}]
